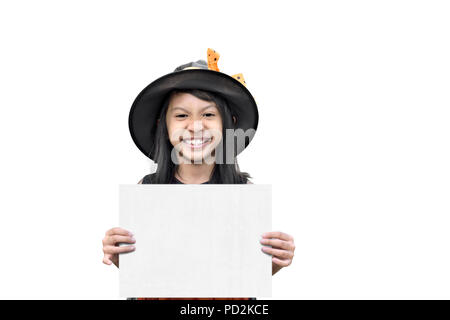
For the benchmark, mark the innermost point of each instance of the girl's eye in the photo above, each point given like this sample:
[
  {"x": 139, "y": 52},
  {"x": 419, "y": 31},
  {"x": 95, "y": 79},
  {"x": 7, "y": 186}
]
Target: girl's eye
[
  {"x": 209, "y": 114},
  {"x": 181, "y": 115}
]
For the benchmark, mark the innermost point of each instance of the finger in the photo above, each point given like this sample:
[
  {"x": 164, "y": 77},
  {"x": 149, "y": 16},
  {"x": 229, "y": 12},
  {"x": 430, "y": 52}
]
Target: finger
[
  {"x": 278, "y": 244},
  {"x": 283, "y": 254},
  {"x": 283, "y": 263},
  {"x": 107, "y": 260},
  {"x": 277, "y": 235},
  {"x": 112, "y": 240},
  {"x": 118, "y": 231},
  {"x": 116, "y": 250}
]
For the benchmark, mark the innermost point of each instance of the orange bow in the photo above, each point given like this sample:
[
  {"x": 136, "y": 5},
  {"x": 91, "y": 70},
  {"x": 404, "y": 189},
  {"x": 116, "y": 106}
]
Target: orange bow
[{"x": 213, "y": 58}]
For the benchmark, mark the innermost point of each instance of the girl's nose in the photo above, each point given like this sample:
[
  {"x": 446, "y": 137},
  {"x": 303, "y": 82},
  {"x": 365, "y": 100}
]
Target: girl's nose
[{"x": 195, "y": 125}]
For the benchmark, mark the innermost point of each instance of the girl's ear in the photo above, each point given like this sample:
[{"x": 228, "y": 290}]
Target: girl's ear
[{"x": 234, "y": 119}]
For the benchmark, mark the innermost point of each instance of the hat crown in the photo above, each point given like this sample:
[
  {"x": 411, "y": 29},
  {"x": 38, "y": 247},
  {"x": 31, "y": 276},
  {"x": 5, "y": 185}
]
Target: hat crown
[{"x": 199, "y": 64}]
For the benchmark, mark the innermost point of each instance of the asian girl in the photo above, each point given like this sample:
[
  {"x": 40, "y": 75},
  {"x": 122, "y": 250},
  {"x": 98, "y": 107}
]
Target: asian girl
[{"x": 190, "y": 128}]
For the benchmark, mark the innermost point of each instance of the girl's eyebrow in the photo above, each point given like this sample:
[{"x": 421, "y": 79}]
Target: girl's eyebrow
[
  {"x": 204, "y": 108},
  {"x": 181, "y": 108},
  {"x": 208, "y": 106}
]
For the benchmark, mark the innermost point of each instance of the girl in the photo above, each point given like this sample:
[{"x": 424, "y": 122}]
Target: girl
[{"x": 190, "y": 141}]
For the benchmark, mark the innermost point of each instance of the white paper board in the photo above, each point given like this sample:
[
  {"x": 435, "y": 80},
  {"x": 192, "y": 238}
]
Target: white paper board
[{"x": 196, "y": 241}]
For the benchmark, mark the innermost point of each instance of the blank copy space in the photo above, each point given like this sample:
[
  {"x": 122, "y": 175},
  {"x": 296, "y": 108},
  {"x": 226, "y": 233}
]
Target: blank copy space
[{"x": 196, "y": 240}]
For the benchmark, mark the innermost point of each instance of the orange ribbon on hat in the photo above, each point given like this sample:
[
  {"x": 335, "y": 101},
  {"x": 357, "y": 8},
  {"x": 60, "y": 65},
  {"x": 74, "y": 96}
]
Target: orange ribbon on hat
[{"x": 213, "y": 58}]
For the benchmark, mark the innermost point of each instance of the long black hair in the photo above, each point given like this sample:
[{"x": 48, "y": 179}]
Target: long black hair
[{"x": 223, "y": 172}]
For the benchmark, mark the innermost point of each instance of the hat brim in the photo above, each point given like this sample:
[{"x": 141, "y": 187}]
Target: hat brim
[{"x": 147, "y": 105}]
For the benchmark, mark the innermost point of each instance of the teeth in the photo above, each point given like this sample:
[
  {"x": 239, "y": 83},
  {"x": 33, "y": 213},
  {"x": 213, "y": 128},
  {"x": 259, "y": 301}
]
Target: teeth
[{"x": 196, "y": 142}]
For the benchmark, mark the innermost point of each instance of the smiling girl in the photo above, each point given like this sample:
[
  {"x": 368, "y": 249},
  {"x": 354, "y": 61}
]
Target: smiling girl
[{"x": 183, "y": 122}]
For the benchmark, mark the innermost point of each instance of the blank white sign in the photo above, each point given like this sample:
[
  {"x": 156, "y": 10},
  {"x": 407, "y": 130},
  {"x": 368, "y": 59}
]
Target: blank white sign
[{"x": 196, "y": 240}]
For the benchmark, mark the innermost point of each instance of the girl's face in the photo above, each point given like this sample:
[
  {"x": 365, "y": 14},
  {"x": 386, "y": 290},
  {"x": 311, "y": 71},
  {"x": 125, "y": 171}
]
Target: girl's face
[{"x": 194, "y": 126}]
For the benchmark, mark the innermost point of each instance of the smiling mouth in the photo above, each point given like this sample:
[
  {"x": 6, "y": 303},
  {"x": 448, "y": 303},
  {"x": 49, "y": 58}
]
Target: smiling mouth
[{"x": 197, "y": 143}]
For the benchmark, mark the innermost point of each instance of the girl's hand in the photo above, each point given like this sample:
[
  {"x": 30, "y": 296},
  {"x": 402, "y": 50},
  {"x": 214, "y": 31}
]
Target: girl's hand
[
  {"x": 111, "y": 247},
  {"x": 282, "y": 249}
]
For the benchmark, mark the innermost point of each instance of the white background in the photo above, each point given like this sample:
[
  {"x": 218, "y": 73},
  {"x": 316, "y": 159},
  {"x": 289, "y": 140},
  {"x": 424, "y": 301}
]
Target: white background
[{"x": 354, "y": 135}]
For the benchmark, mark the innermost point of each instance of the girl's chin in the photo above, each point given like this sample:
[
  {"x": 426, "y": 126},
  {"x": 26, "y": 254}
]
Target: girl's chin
[{"x": 197, "y": 155}]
